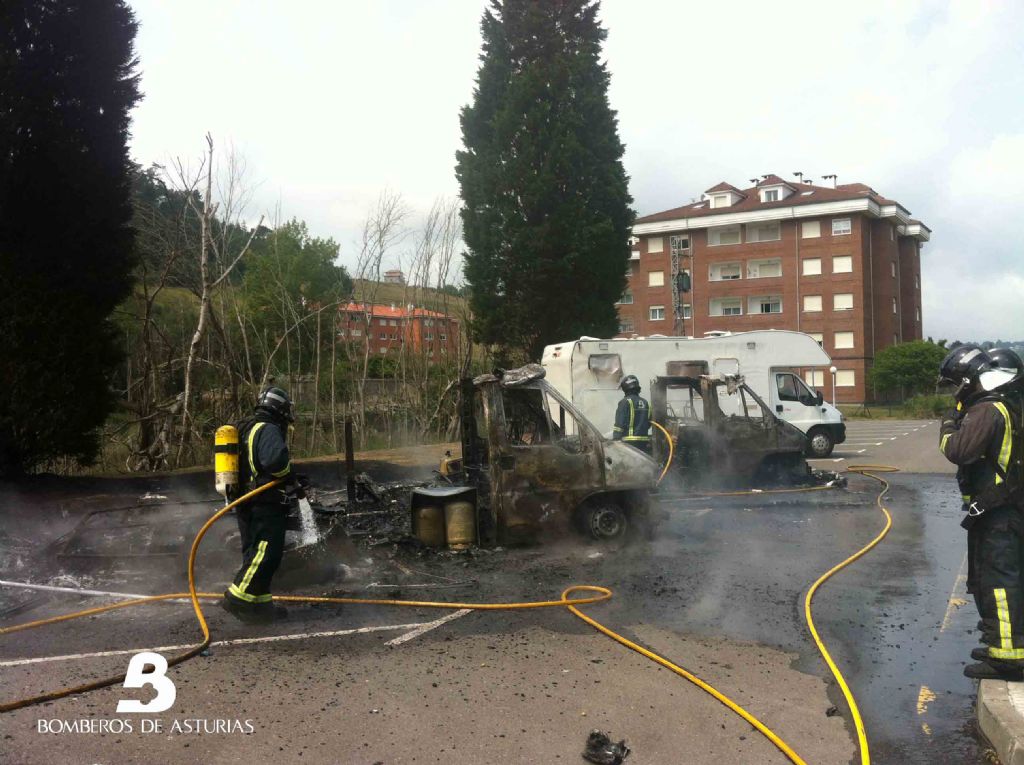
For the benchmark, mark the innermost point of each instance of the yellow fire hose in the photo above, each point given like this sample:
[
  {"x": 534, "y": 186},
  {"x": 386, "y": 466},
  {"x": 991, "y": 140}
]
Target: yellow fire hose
[{"x": 602, "y": 594}]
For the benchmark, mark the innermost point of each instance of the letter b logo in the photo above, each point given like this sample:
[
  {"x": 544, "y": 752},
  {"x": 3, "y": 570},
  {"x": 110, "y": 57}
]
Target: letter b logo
[{"x": 136, "y": 677}]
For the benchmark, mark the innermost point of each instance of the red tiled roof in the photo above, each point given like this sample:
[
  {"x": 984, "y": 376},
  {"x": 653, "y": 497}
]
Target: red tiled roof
[
  {"x": 723, "y": 186},
  {"x": 752, "y": 200},
  {"x": 379, "y": 310},
  {"x": 774, "y": 180}
]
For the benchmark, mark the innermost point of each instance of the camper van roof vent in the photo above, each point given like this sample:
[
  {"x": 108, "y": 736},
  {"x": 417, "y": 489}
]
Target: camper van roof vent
[{"x": 717, "y": 333}]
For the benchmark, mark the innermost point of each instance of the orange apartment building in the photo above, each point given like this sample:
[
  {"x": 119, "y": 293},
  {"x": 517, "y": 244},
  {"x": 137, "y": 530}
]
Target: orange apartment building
[
  {"x": 390, "y": 328},
  {"x": 842, "y": 264}
]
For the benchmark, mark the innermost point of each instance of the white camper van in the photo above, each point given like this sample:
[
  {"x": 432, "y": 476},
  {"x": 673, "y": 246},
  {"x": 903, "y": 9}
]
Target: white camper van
[{"x": 587, "y": 372}]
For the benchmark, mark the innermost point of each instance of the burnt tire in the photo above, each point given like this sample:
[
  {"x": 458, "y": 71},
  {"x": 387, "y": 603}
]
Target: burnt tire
[
  {"x": 819, "y": 443},
  {"x": 604, "y": 522}
]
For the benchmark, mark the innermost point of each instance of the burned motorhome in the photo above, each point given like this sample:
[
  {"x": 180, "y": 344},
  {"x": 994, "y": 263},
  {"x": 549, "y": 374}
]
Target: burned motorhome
[
  {"x": 722, "y": 432},
  {"x": 540, "y": 467}
]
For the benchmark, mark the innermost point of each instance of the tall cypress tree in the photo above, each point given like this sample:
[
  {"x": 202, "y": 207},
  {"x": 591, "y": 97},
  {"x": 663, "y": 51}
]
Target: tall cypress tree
[
  {"x": 546, "y": 206},
  {"x": 67, "y": 84}
]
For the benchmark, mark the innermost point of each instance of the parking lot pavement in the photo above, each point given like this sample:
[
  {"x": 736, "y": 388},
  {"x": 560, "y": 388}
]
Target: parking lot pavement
[{"x": 910, "y": 445}]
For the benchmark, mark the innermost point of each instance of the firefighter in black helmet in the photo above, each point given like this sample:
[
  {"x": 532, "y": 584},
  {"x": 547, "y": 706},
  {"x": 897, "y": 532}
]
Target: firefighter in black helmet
[
  {"x": 633, "y": 416},
  {"x": 982, "y": 436},
  {"x": 263, "y": 457}
]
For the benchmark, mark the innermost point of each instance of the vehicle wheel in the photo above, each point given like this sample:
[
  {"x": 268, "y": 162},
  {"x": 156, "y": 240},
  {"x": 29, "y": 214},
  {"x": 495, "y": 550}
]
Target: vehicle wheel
[
  {"x": 605, "y": 522},
  {"x": 819, "y": 443}
]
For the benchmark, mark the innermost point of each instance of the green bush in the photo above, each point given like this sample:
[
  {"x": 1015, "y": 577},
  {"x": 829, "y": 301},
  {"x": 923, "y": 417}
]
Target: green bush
[{"x": 927, "y": 406}]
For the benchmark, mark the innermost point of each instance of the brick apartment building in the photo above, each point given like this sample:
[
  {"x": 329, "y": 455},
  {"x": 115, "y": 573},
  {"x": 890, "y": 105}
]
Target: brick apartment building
[
  {"x": 392, "y": 328},
  {"x": 842, "y": 264}
]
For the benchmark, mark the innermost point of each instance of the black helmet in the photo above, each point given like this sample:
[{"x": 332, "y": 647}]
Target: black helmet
[
  {"x": 276, "y": 403},
  {"x": 1007, "y": 372},
  {"x": 630, "y": 384},
  {"x": 1006, "y": 358},
  {"x": 962, "y": 367}
]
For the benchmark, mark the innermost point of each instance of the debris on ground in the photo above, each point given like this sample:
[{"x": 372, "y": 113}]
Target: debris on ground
[{"x": 603, "y": 751}]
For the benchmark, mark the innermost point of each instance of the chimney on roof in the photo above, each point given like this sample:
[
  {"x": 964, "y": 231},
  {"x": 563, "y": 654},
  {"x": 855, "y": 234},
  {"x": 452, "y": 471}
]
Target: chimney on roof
[
  {"x": 834, "y": 177},
  {"x": 799, "y": 175}
]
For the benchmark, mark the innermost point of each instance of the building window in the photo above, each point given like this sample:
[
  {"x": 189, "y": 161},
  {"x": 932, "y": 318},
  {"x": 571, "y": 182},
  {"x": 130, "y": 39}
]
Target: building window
[
  {"x": 383, "y": 350},
  {"x": 656, "y": 312},
  {"x": 894, "y": 305},
  {"x": 720, "y": 235},
  {"x": 810, "y": 229},
  {"x": 341, "y": 333},
  {"x": 815, "y": 378},
  {"x": 893, "y": 264},
  {"x": 720, "y": 200},
  {"x": 812, "y": 267},
  {"x": 443, "y": 337},
  {"x": 430, "y": 336},
  {"x": 764, "y": 269},
  {"x": 687, "y": 311},
  {"x": 843, "y": 340},
  {"x": 394, "y": 322},
  {"x": 919, "y": 313},
  {"x": 357, "y": 333},
  {"x": 765, "y": 304},
  {"x": 841, "y": 226},
  {"x": 655, "y": 244},
  {"x": 842, "y": 301},
  {"x": 764, "y": 232},
  {"x": 771, "y": 195},
  {"x": 892, "y": 233},
  {"x": 383, "y": 322},
  {"x": 383, "y": 335},
  {"x": 812, "y": 303},
  {"x": 627, "y": 298},
  {"x": 845, "y": 378},
  {"x": 842, "y": 264},
  {"x": 818, "y": 338},
  {"x": 727, "y": 307},
  {"x": 625, "y": 325},
  {"x": 721, "y": 272},
  {"x": 656, "y": 279}
]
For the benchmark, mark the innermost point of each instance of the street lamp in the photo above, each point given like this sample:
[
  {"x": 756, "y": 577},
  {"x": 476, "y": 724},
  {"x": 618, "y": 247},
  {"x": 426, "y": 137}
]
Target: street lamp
[{"x": 833, "y": 370}]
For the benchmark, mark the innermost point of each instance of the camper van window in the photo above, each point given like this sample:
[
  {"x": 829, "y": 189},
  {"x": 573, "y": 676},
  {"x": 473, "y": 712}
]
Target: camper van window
[
  {"x": 526, "y": 419},
  {"x": 568, "y": 434},
  {"x": 788, "y": 389},
  {"x": 605, "y": 365},
  {"x": 684, "y": 404}
]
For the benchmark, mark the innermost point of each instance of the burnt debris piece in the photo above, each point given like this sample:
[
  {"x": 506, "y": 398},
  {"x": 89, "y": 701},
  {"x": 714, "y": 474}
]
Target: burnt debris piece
[{"x": 603, "y": 751}]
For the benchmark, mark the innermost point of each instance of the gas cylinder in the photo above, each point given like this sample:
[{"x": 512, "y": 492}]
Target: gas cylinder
[
  {"x": 460, "y": 524},
  {"x": 225, "y": 460},
  {"x": 428, "y": 525}
]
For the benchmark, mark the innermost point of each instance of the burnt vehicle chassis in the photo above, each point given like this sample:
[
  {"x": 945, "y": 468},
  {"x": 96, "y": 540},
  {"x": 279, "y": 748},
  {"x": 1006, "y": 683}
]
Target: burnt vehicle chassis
[
  {"x": 723, "y": 433},
  {"x": 541, "y": 469}
]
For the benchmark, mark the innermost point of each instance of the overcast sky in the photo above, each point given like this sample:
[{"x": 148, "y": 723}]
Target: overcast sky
[{"x": 333, "y": 101}]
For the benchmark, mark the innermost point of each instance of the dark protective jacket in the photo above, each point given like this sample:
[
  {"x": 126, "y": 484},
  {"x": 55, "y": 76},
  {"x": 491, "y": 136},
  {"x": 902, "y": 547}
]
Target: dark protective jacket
[
  {"x": 263, "y": 455},
  {"x": 984, "y": 441},
  {"x": 632, "y": 420}
]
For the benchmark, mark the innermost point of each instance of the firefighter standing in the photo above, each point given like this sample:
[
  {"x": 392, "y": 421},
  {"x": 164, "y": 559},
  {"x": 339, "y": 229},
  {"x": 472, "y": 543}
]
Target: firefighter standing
[
  {"x": 983, "y": 437},
  {"x": 633, "y": 416},
  {"x": 263, "y": 457}
]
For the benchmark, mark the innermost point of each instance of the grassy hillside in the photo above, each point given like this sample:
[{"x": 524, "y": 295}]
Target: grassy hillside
[{"x": 422, "y": 297}]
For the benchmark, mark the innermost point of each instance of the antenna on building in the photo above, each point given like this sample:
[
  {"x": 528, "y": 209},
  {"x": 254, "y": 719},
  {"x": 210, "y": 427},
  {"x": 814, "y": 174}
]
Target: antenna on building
[{"x": 833, "y": 177}]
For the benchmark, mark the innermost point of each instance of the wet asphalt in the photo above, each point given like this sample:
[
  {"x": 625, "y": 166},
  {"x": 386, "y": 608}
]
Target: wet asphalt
[{"x": 722, "y": 584}]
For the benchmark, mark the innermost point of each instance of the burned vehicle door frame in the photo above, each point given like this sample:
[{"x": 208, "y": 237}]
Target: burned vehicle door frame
[
  {"x": 731, "y": 445},
  {"x": 547, "y": 463}
]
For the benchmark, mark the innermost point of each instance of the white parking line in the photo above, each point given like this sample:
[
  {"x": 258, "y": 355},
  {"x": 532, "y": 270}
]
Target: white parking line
[
  {"x": 423, "y": 629},
  {"x": 74, "y": 590},
  {"x": 219, "y": 643}
]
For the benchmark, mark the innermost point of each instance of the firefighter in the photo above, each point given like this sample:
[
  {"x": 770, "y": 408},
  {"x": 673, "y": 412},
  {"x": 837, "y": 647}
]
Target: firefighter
[
  {"x": 633, "y": 416},
  {"x": 983, "y": 437},
  {"x": 263, "y": 457}
]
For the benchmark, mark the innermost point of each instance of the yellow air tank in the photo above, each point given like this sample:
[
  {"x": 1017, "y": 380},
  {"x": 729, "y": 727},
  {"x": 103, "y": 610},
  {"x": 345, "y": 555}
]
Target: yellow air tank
[
  {"x": 460, "y": 524},
  {"x": 428, "y": 525},
  {"x": 225, "y": 460}
]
